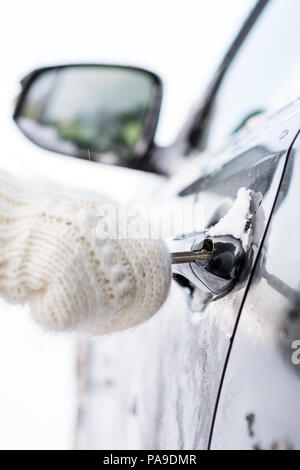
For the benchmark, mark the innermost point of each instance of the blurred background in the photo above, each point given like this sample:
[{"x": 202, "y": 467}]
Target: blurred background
[{"x": 182, "y": 41}]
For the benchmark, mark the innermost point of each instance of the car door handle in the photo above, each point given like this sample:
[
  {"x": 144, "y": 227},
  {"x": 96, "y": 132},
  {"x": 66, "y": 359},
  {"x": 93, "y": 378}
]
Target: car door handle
[{"x": 211, "y": 263}]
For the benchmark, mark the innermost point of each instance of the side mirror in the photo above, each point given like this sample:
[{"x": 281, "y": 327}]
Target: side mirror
[{"x": 105, "y": 113}]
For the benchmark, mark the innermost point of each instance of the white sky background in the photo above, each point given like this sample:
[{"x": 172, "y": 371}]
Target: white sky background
[{"x": 183, "y": 41}]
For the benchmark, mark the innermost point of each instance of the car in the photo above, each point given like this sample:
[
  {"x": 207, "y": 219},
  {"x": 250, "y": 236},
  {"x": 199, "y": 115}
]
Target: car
[{"x": 218, "y": 367}]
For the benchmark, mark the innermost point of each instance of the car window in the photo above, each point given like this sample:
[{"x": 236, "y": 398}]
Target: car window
[{"x": 264, "y": 74}]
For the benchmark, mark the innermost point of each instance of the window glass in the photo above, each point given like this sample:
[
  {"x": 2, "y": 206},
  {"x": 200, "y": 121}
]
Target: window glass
[{"x": 264, "y": 74}]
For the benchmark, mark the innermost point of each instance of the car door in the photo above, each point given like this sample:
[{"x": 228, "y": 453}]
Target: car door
[
  {"x": 259, "y": 404},
  {"x": 157, "y": 386}
]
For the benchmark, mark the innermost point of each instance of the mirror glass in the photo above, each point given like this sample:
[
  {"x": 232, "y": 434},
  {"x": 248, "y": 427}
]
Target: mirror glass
[{"x": 102, "y": 113}]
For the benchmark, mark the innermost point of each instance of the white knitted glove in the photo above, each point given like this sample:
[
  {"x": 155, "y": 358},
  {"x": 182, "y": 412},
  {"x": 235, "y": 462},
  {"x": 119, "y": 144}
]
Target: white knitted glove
[{"x": 51, "y": 258}]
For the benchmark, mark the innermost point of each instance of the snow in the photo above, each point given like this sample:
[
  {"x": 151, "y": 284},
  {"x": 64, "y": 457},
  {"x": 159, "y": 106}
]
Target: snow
[
  {"x": 38, "y": 393},
  {"x": 235, "y": 222}
]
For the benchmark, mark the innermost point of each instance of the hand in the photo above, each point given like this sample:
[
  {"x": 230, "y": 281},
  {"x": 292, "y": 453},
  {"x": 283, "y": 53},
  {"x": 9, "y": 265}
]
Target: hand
[{"x": 52, "y": 259}]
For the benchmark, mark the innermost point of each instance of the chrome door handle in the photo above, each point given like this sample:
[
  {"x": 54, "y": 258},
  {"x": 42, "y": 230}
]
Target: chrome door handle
[{"x": 212, "y": 263}]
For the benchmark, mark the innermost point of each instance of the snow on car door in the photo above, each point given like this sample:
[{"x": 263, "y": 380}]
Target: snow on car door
[
  {"x": 156, "y": 386},
  {"x": 259, "y": 403}
]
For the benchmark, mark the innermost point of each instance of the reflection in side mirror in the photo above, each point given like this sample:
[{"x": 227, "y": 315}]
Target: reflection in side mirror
[{"x": 98, "y": 112}]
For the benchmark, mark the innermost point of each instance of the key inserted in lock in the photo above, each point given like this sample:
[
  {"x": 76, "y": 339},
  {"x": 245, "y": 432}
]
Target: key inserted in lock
[{"x": 201, "y": 255}]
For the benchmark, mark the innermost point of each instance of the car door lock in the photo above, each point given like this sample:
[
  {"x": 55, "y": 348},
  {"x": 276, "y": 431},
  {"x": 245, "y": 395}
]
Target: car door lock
[{"x": 211, "y": 263}]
